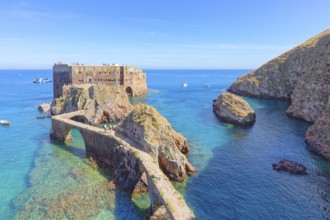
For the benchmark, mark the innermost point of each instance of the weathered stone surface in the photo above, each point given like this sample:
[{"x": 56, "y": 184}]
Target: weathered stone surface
[
  {"x": 301, "y": 75},
  {"x": 44, "y": 107},
  {"x": 141, "y": 186},
  {"x": 103, "y": 103},
  {"x": 157, "y": 137},
  {"x": 289, "y": 166},
  {"x": 233, "y": 109},
  {"x": 318, "y": 135},
  {"x": 160, "y": 214},
  {"x": 111, "y": 185}
]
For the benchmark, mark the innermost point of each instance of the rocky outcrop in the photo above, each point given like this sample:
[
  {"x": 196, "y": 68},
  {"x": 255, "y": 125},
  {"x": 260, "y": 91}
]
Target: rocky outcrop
[
  {"x": 318, "y": 135},
  {"x": 233, "y": 109},
  {"x": 156, "y": 136},
  {"x": 103, "y": 103},
  {"x": 160, "y": 214},
  {"x": 301, "y": 75},
  {"x": 289, "y": 166},
  {"x": 305, "y": 66},
  {"x": 44, "y": 107},
  {"x": 141, "y": 186}
]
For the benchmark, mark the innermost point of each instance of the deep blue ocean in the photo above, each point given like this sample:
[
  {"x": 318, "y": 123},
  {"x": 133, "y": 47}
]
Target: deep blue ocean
[{"x": 235, "y": 178}]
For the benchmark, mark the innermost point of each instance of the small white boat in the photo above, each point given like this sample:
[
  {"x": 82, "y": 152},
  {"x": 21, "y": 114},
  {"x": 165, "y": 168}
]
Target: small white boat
[
  {"x": 4, "y": 122},
  {"x": 41, "y": 80},
  {"x": 184, "y": 85}
]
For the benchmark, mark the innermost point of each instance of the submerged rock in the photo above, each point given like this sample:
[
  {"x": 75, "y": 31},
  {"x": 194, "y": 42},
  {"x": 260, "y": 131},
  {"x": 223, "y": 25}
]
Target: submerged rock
[
  {"x": 233, "y": 109},
  {"x": 301, "y": 75},
  {"x": 103, "y": 103},
  {"x": 289, "y": 166},
  {"x": 157, "y": 137}
]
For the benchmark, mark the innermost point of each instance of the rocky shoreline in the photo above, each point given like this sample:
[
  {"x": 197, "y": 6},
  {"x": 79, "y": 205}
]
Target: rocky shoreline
[{"x": 302, "y": 76}]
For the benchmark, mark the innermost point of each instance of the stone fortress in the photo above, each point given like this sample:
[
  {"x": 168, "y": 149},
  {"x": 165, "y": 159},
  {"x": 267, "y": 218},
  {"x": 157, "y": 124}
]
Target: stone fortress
[
  {"x": 143, "y": 150},
  {"x": 133, "y": 80}
]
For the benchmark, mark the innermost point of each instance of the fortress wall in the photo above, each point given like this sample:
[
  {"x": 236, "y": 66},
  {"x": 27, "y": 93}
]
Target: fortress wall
[
  {"x": 61, "y": 76},
  {"x": 127, "y": 76}
]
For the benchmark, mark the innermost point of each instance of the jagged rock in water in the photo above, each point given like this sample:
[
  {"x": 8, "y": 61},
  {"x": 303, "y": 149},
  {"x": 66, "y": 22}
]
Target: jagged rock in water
[
  {"x": 301, "y": 75},
  {"x": 103, "y": 103},
  {"x": 44, "y": 107},
  {"x": 157, "y": 137},
  {"x": 233, "y": 109},
  {"x": 289, "y": 166}
]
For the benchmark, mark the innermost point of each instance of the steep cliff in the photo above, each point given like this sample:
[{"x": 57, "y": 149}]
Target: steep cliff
[
  {"x": 318, "y": 135},
  {"x": 157, "y": 137},
  {"x": 301, "y": 75},
  {"x": 104, "y": 103},
  {"x": 233, "y": 109}
]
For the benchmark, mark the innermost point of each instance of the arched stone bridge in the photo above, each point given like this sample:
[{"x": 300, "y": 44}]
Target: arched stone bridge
[{"x": 128, "y": 162}]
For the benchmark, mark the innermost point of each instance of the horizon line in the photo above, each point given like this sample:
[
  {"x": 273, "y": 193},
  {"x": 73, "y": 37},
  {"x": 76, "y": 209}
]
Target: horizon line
[{"x": 170, "y": 68}]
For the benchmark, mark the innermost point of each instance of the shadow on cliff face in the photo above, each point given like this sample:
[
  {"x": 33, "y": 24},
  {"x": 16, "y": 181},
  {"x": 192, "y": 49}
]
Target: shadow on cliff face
[{"x": 238, "y": 181}]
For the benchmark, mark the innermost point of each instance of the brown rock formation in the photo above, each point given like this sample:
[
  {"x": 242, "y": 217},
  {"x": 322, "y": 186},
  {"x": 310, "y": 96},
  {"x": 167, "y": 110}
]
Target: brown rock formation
[
  {"x": 157, "y": 137},
  {"x": 301, "y": 75},
  {"x": 104, "y": 103},
  {"x": 318, "y": 135},
  {"x": 160, "y": 214},
  {"x": 141, "y": 186},
  {"x": 233, "y": 109}
]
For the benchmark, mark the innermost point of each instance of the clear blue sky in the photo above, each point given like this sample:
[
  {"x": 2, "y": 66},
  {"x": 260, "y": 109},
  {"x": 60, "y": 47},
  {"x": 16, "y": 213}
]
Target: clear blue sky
[{"x": 155, "y": 34}]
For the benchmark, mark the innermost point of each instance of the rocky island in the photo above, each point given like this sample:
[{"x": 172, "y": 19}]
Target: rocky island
[
  {"x": 233, "y": 109},
  {"x": 157, "y": 137},
  {"x": 302, "y": 76}
]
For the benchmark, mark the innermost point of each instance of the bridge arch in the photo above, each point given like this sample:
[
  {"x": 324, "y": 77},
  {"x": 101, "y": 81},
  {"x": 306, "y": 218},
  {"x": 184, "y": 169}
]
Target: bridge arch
[
  {"x": 129, "y": 91},
  {"x": 81, "y": 119},
  {"x": 130, "y": 163}
]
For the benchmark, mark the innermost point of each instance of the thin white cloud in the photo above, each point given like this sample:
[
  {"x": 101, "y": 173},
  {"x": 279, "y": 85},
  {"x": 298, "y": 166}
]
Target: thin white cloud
[{"x": 38, "y": 15}]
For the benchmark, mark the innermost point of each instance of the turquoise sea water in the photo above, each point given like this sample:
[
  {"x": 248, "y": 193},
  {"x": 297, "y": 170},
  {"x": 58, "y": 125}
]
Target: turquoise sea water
[{"x": 235, "y": 178}]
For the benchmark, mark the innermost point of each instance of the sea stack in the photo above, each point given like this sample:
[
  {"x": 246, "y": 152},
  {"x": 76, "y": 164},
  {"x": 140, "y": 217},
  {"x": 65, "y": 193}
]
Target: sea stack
[
  {"x": 157, "y": 137},
  {"x": 233, "y": 109},
  {"x": 301, "y": 75}
]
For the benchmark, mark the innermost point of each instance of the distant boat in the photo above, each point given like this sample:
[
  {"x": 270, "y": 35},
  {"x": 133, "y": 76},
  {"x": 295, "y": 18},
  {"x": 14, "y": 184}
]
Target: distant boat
[
  {"x": 41, "y": 80},
  {"x": 185, "y": 84},
  {"x": 4, "y": 122}
]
